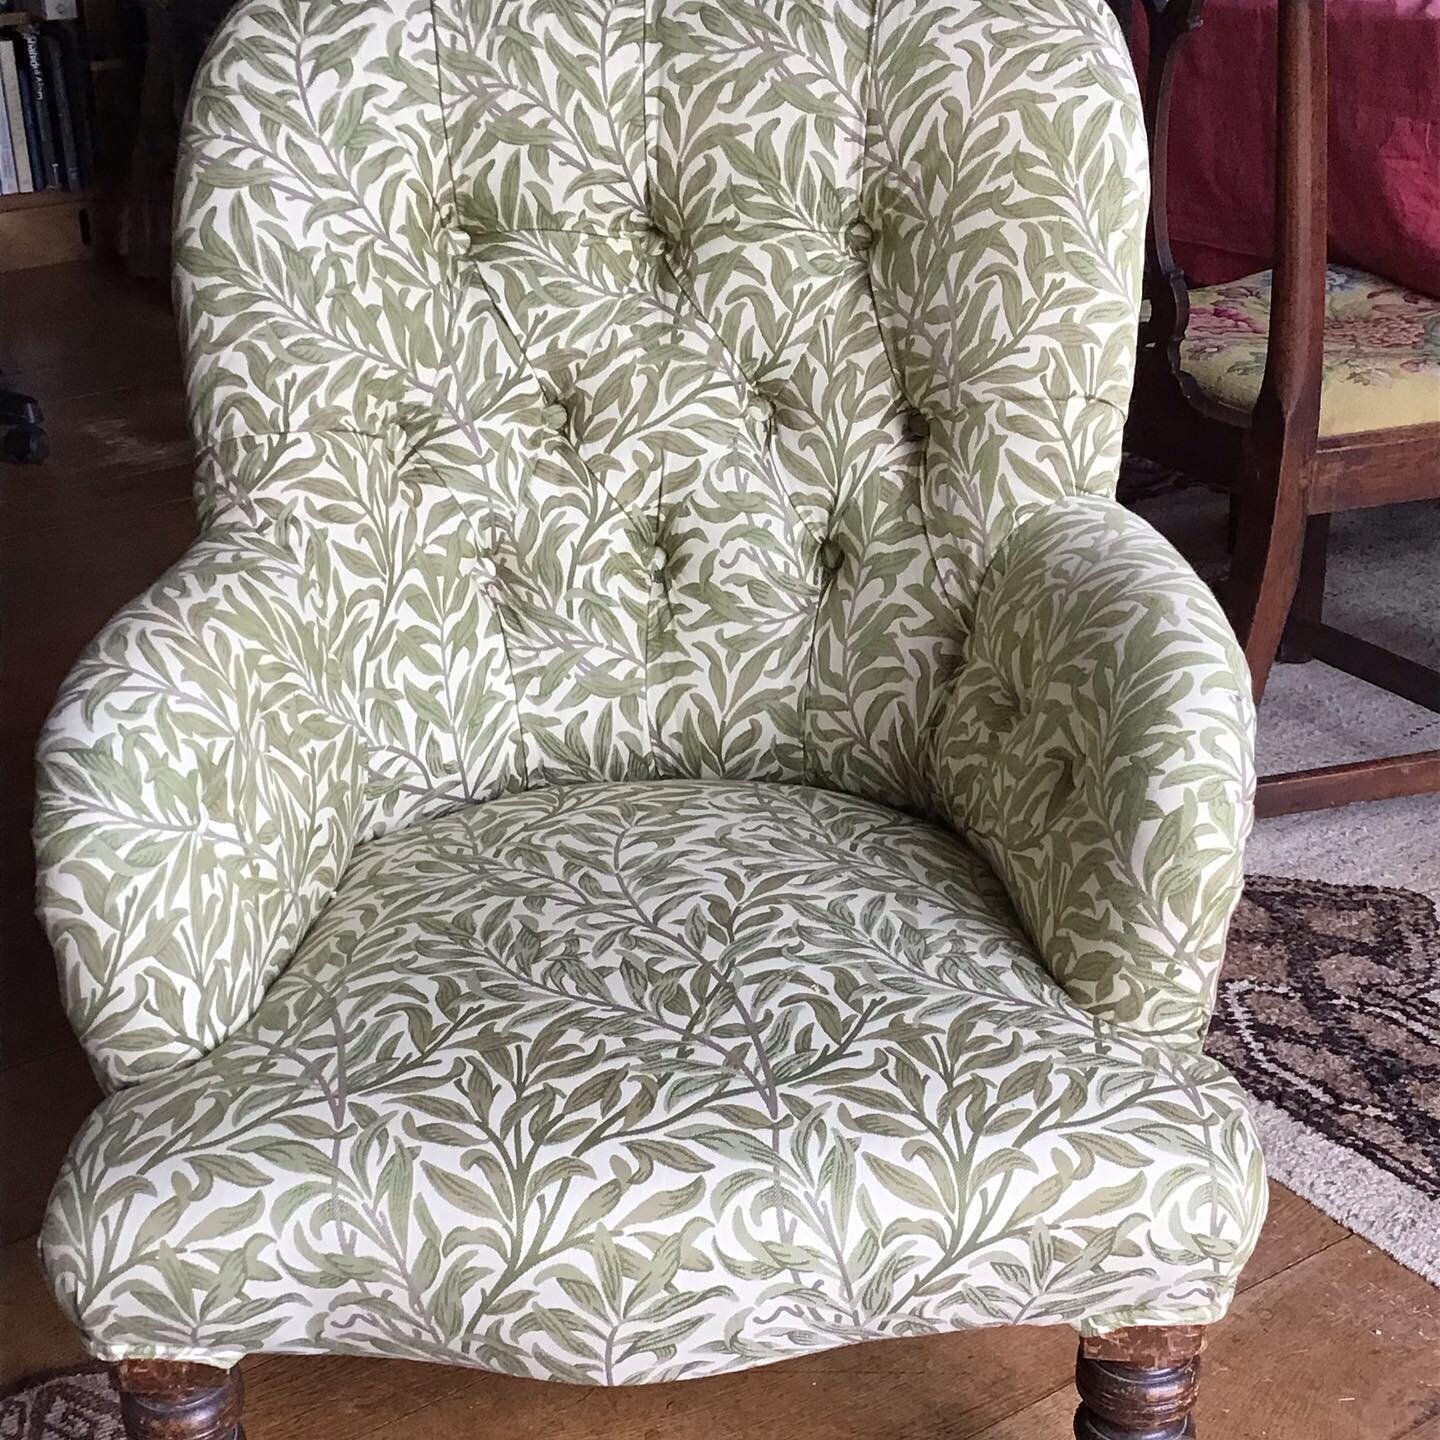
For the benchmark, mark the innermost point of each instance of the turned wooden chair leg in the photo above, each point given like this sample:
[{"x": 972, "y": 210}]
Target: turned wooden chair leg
[
  {"x": 175, "y": 1400},
  {"x": 1139, "y": 1384}
]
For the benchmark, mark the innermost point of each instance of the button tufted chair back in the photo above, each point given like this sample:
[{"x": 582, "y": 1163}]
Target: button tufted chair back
[
  {"x": 643, "y": 385},
  {"x": 601, "y": 390}
]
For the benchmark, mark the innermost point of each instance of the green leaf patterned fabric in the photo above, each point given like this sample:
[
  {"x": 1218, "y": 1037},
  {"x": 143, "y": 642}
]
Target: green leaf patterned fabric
[
  {"x": 639, "y": 1081},
  {"x": 669, "y": 819},
  {"x": 1097, "y": 749}
]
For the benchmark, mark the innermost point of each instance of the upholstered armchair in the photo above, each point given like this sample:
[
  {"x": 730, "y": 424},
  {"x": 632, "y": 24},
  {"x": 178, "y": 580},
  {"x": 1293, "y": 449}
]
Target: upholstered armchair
[{"x": 668, "y": 821}]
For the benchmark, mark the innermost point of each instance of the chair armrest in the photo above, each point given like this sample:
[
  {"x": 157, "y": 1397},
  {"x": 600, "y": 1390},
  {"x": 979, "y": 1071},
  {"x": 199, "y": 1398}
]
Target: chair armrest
[
  {"x": 196, "y": 805},
  {"x": 1098, "y": 749}
]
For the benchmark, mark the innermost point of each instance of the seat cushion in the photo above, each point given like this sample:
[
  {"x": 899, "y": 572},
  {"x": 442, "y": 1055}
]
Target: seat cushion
[
  {"x": 628, "y": 1082},
  {"x": 1382, "y": 350}
]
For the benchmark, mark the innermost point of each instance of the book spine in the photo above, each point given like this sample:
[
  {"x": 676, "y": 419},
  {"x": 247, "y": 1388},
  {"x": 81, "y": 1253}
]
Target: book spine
[
  {"x": 50, "y": 164},
  {"x": 15, "y": 116},
  {"x": 77, "y": 87},
  {"x": 9, "y": 176},
  {"x": 32, "y": 125},
  {"x": 54, "y": 62}
]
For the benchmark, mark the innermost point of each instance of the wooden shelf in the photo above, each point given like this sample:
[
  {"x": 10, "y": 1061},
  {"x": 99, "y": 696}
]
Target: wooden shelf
[
  {"x": 37, "y": 199},
  {"x": 45, "y": 228},
  {"x": 45, "y": 199},
  {"x": 48, "y": 227}
]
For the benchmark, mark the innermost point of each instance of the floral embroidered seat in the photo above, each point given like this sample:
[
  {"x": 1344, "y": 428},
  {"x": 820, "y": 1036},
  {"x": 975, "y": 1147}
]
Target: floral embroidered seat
[
  {"x": 669, "y": 820},
  {"x": 1382, "y": 349}
]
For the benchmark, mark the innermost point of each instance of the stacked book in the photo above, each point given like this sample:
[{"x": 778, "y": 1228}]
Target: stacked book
[{"x": 44, "y": 109}]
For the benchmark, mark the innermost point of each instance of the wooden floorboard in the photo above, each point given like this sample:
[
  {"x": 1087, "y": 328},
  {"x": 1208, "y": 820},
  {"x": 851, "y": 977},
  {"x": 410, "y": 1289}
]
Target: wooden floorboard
[
  {"x": 33, "y": 1023},
  {"x": 82, "y": 329},
  {"x": 34, "y": 1335},
  {"x": 42, "y": 1104},
  {"x": 1344, "y": 1345},
  {"x": 36, "y": 502},
  {"x": 1329, "y": 1341}
]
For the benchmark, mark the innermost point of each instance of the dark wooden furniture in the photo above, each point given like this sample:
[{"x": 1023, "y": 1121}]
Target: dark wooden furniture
[
  {"x": 51, "y": 227},
  {"x": 42, "y": 227},
  {"x": 176, "y": 1400},
  {"x": 1285, "y": 478},
  {"x": 1139, "y": 1384}
]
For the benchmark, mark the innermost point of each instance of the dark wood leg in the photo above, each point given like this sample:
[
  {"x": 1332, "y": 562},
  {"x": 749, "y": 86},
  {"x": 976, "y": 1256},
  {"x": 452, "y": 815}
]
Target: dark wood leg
[
  {"x": 1139, "y": 1384},
  {"x": 174, "y": 1400},
  {"x": 1308, "y": 605},
  {"x": 1278, "y": 466},
  {"x": 1266, "y": 570}
]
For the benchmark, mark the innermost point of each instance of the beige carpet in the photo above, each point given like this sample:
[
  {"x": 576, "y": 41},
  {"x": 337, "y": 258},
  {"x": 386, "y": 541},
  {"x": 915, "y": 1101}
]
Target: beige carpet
[{"x": 1383, "y": 584}]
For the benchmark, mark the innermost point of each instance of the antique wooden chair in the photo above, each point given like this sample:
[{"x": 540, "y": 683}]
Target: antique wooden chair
[
  {"x": 1263, "y": 386},
  {"x": 669, "y": 820}
]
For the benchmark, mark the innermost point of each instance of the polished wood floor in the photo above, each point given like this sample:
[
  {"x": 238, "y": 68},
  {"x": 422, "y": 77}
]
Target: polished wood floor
[{"x": 1330, "y": 1340}]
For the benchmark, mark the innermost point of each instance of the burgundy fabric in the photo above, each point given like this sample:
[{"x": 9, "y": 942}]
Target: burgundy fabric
[{"x": 1384, "y": 140}]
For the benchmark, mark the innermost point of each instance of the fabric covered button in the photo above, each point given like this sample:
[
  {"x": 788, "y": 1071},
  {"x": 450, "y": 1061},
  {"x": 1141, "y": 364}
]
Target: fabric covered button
[
  {"x": 761, "y": 410},
  {"x": 917, "y": 426},
  {"x": 487, "y": 571},
  {"x": 859, "y": 236},
  {"x": 555, "y": 416},
  {"x": 456, "y": 242},
  {"x": 654, "y": 242},
  {"x": 659, "y": 562},
  {"x": 832, "y": 554}
]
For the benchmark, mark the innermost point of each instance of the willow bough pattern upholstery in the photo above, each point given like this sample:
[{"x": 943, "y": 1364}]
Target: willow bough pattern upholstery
[{"x": 668, "y": 820}]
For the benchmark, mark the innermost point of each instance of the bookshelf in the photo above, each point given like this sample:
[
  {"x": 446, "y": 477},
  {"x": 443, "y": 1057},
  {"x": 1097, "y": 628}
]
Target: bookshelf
[
  {"x": 46, "y": 230},
  {"x": 46, "y": 227}
]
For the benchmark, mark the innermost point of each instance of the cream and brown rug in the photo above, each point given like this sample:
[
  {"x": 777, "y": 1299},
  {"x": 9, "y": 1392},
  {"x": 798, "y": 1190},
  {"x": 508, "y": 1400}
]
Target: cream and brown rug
[
  {"x": 67, "y": 1405},
  {"x": 1329, "y": 1015}
]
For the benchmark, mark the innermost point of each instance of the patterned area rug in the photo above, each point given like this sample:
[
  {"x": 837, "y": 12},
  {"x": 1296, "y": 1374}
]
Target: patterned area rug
[
  {"x": 68, "y": 1405},
  {"x": 1329, "y": 1015}
]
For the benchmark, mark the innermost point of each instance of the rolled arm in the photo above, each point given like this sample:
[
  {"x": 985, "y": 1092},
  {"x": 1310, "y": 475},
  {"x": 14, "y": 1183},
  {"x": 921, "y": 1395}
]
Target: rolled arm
[
  {"x": 1097, "y": 747},
  {"x": 197, "y": 803}
]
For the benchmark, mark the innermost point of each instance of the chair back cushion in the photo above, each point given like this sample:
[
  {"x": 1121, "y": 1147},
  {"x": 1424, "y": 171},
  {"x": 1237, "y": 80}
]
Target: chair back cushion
[{"x": 647, "y": 385}]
